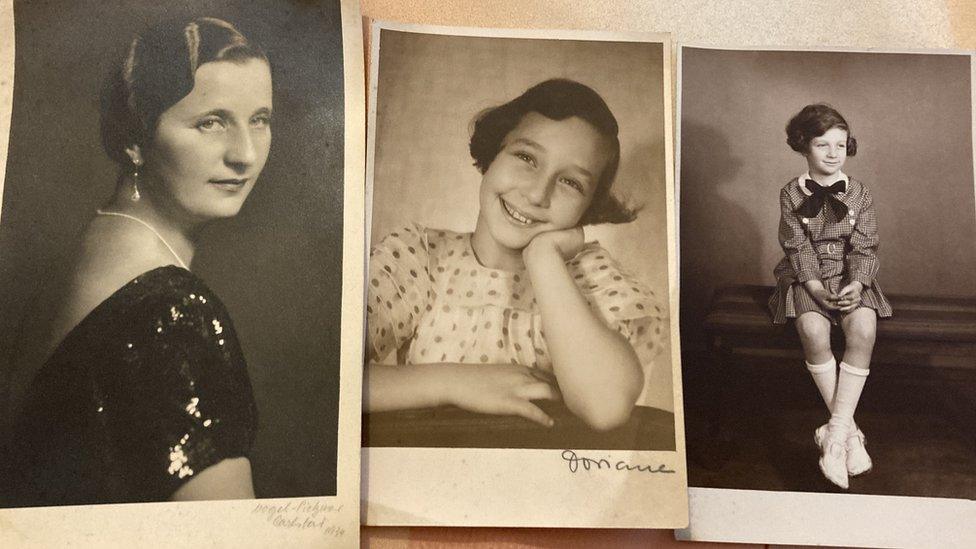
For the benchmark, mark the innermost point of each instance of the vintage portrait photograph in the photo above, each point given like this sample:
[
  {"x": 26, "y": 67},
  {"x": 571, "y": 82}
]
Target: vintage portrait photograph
[
  {"x": 518, "y": 292},
  {"x": 173, "y": 248},
  {"x": 828, "y": 303}
]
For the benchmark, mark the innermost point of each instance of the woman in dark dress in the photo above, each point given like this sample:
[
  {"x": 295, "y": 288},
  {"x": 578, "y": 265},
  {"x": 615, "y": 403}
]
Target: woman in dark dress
[{"x": 144, "y": 394}]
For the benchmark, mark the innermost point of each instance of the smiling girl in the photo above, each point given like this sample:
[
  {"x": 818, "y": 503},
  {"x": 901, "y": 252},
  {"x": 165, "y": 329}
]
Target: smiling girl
[
  {"x": 829, "y": 231},
  {"x": 144, "y": 393},
  {"x": 522, "y": 308}
]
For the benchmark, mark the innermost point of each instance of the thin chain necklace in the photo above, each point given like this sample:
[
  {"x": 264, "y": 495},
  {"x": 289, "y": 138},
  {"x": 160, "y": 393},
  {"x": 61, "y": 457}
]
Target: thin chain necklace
[{"x": 151, "y": 228}]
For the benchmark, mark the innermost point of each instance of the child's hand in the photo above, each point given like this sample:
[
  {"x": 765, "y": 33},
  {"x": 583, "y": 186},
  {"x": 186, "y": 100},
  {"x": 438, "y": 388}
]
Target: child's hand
[
  {"x": 826, "y": 299},
  {"x": 568, "y": 242},
  {"x": 849, "y": 296},
  {"x": 502, "y": 389}
]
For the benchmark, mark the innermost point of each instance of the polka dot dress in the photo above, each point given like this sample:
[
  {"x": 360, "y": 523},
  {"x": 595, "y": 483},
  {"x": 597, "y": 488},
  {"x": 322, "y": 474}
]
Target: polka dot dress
[{"x": 430, "y": 298}]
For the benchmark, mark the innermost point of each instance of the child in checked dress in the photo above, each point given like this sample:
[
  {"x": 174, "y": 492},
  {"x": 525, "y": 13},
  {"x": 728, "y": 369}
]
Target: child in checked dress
[{"x": 829, "y": 232}]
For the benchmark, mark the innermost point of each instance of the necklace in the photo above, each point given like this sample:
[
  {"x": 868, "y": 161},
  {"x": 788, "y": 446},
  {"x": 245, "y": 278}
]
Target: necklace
[{"x": 150, "y": 227}]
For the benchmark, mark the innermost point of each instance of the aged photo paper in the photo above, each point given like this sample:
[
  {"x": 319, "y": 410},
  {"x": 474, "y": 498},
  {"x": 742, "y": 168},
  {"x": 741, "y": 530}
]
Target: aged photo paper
[
  {"x": 288, "y": 268},
  {"x": 751, "y": 405},
  {"x": 441, "y": 307}
]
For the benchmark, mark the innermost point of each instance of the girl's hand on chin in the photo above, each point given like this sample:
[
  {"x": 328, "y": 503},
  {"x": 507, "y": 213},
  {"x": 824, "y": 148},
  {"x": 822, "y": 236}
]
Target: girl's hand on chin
[
  {"x": 568, "y": 242},
  {"x": 501, "y": 389}
]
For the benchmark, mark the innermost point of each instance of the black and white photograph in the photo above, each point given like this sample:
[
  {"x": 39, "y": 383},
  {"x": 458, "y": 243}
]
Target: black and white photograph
[
  {"x": 179, "y": 235},
  {"x": 828, "y": 305},
  {"x": 518, "y": 292}
]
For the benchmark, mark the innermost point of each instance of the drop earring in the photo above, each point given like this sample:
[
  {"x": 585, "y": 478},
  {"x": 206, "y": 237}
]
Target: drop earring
[{"x": 135, "y": 183}]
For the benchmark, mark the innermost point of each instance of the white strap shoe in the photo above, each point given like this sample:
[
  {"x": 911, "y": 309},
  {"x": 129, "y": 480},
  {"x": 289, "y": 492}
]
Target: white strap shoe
[
  {"x": 858, "y": 460},
  {"x": 833, "y": 460}
]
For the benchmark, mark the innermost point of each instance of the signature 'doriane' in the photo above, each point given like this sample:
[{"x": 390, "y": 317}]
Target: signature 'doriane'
[{"x": 576, "y": 462}]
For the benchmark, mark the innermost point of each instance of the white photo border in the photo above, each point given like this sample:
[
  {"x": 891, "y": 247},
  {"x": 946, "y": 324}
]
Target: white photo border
[
  {"x": 528, "y": 488},
  {"x": 271, "y": 522}
]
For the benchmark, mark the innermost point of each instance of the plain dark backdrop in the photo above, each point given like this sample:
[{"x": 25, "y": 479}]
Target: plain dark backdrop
[{"x": 277, "y": 266}]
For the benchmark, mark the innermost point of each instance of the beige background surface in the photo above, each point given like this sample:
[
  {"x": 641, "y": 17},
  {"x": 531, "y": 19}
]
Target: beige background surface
[
  {"x": 873, "y": 23},
  {"x": 903, "y": 23}
]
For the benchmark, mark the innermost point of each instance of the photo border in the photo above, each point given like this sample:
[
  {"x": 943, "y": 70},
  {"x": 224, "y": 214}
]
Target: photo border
[
  {"x": 237, "y": 523},
  {"x": 782, "y": 517},
  {"x": 509, "y": 487}
]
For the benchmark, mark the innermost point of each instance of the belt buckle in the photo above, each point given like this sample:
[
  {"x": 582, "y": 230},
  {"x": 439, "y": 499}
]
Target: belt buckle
[{"x": 832, "y": 248}]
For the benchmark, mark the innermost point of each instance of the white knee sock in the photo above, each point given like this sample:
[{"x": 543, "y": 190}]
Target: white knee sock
[
  {"x": 850, "y": 382},
  {"x": 825, "y": 377}
]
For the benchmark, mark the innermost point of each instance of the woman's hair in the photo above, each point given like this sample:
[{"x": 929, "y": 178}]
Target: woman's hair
[
  {"x": 557, "y": 99},
  {"x": 158, "y": 72},
  {"x": 814, "y": 121}
]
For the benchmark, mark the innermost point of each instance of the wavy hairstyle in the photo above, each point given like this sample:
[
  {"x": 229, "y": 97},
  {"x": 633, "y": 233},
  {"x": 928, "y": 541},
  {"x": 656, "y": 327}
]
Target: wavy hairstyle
[
  {"x": 557, "y": 99},
  {"x": 813, "y": 121},
  {"x": 158, "y": 71}
]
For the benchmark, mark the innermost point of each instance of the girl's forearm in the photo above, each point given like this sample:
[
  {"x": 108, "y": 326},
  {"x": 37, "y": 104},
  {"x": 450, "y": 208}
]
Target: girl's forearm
[
  {"x": 814, "y": 285},
  {"x": 598, "y": 371},
  {"x": 404, "y": 386}
]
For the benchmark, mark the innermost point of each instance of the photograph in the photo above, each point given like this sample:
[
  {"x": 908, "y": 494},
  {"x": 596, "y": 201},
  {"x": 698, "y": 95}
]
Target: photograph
[
  {"x": 828, "y": 309},
  {"x": 518, "y": 292},
  {"x": 180, "y": 234}
]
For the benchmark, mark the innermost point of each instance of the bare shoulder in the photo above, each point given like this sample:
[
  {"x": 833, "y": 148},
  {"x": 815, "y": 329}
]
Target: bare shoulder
[{"x": 111, "y": 255}]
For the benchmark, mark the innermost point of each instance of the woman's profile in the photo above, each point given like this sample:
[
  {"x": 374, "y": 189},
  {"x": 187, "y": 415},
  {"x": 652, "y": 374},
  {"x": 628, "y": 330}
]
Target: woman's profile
[{"x": 144, "y": 393}]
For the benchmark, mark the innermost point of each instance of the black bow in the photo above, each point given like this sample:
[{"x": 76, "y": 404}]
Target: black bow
[{"x": 811, "y": 206}]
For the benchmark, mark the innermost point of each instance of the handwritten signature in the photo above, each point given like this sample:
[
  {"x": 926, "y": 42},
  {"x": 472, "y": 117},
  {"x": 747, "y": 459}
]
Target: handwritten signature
[{"x": 576, "y": 462}]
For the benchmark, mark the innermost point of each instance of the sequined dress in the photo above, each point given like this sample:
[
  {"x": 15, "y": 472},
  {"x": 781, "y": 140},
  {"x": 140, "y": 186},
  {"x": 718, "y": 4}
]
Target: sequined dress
[{"x": 150, "y": 389}]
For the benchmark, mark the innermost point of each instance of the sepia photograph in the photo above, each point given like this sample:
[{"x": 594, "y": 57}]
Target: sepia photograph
[
  {"x": 518, "y": 291},
  {"x": 828, "y": 304},
  {"x": 175, "y": 235}
]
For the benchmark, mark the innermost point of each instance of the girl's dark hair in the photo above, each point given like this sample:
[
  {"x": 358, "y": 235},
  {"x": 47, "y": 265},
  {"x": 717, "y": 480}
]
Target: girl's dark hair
[
  {"x": 557, "y": 99},
  {"x": 814, "y": 121},
  {"x": 157, "y": 72}
]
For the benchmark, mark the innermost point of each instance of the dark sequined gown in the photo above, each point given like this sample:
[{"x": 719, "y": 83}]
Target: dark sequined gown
[{"x": 150, "y": 389}]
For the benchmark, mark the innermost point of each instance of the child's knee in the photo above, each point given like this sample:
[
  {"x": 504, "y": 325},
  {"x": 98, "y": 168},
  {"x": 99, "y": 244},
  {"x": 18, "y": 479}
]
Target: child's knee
[
  {"x": 861, "y": 331},
  {"x": 814, "y": 330}
]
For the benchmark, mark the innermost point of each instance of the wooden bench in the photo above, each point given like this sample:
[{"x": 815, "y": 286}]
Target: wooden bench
[
  {"x": 929, "y": 333},
  {"x": 923, "y": 332}
]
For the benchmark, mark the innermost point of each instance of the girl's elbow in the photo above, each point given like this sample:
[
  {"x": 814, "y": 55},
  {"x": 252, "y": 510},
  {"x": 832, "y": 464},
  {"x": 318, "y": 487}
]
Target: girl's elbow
[
  {"x": 611, "y": 403},
  {"x": 607, "y": 416},
  {"x": 606, "y": 413}
]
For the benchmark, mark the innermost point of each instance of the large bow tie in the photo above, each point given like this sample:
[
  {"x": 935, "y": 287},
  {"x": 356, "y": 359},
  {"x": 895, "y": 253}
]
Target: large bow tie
[{"x": 819, "y": 196}]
